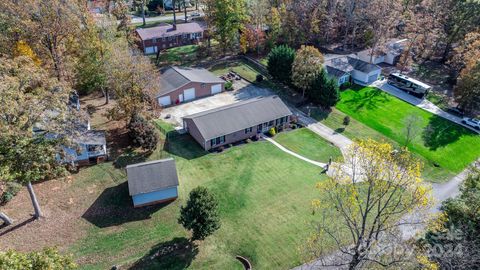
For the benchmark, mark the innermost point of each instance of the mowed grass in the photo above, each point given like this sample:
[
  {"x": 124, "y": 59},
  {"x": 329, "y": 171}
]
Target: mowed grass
[
  {"x": 241, "y": 68},
  {"x": 308, "y": 144},
  {"x": 440, "y": 141},
  {"x": 264, "y": 198},
  {"x": 183, "y": 55}
]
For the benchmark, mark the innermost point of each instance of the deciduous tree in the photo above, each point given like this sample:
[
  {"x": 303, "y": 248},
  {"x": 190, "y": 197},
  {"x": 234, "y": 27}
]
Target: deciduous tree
[
  {"x": 31, "y": 101},
  {"x": 467, "y": 90},
  {"x": 307, "y": 65},
  {"x": 412, "y": 127},
  {"x": 456, "y": 231},
  {"x": 368, "y": 193},
  {"x": 225, "y": 18}
]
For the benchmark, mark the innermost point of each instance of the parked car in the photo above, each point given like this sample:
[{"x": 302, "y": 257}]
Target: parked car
[
  {"x": 475, "y": 123},
  {"x": 456, "y": 111},
  {"x": 195, "y": 14}
]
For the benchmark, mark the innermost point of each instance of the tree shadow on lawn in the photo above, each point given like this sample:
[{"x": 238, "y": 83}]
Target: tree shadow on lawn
[
  {"x": 366, "y": 99},
  {"x": 177, "y": 253},
  {"x": 440, "y": 132},
  {"x": 114, "y": 207},
  {"x": 129, "y": 157},
  {"x": 184, "y": 146}
]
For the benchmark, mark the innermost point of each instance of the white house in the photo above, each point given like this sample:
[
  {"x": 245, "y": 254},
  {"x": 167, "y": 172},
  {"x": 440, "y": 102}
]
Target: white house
[
  {"x": 389, "y": 53},
  {"x": 350, "y": 68}
]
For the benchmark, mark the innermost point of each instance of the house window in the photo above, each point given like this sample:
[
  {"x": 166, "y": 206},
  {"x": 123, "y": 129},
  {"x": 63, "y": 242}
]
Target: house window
[
  {"x": 154, "y": 40},
  {"x": 218, "y": 140},
  {"x": 270, "y": 123},
  {"x": 265, "y": 125},
  {"x": 248, "y": 130},
  {"x": 203, "y": 85}
]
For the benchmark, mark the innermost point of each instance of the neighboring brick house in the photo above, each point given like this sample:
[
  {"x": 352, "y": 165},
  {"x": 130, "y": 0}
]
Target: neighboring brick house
[
  {"x": 167, "y": 36},
  {"x": 237, "y": 122},
  {"x": 182, "y": 84}
]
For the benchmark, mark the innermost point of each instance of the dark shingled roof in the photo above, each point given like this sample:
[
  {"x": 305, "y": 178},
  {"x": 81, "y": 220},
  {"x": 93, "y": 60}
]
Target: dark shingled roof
[
  {"x": 91, "y": 137},
  {"x": 335, "y": 72},
  {"x": 238, "y": 116},
  {"x": 152, "y": 176},
  {"x": 348, "y": 63},
  {"x": 175, "y": 77},
  {"x": 167, "y": 30}
]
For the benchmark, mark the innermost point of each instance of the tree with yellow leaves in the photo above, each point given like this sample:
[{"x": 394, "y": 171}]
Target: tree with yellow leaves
[
  {"x": 370, "y": 192},
  {"x": 23, "y": 49}
]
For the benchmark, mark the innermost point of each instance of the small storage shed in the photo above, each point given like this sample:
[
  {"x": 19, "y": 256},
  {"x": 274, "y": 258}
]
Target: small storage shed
[{"x": 152, "y": 182}]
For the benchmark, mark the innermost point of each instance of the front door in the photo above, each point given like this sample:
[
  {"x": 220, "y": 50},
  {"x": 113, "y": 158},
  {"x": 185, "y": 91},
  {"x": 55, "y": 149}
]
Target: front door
[
  {"x": 180, "y": 98},
  {"x": 259, "y": 128}
]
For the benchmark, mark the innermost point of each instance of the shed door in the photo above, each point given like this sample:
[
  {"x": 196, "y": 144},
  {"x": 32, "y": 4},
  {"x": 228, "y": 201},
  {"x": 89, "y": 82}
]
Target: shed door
[
  {"x": 189, "y": 94},
  {"x": 164, "y": 101},
  {"x": 217, "y": 88}
]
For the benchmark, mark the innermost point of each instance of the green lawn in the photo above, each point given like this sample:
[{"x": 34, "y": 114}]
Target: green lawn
[
  {"x": 264, "y": 196},
  {"x": 450, "y": 146},
  {"x": 240, "y": 67},
  {"x": 183, "y": 55},
  {"x": 308, "y": 144}
]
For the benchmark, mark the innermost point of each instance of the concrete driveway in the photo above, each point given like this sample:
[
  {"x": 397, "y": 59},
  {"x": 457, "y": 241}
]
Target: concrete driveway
[
  {"x": 421, "y": 103},
  {"x": 243, "y": 91}
]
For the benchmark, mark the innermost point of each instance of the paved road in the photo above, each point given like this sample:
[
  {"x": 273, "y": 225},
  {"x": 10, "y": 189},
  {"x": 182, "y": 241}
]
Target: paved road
[
  {"x": 165, "y": 18},
  {"x": 421, "y": 103},
  {"x": 440, "y": 192}
]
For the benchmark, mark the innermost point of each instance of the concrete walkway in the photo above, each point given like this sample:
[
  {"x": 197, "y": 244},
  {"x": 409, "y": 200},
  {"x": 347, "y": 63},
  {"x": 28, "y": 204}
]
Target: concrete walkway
[
  {"x": 316, "y": 163},
  {"x": 323, "y": 131},
  {"x": 424, "y": 104}
]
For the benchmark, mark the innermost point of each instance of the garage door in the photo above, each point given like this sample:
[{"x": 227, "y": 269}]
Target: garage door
[
  {"x": 189, "y": 94},
  {"x": 217, "y": 88},
  {"x": 373, "y": 77},
  {"x": 164, "y": 101}
]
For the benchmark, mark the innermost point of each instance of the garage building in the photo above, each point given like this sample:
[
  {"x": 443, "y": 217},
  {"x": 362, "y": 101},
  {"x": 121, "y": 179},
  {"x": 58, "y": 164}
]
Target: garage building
[{"x": 183, "y": 84}]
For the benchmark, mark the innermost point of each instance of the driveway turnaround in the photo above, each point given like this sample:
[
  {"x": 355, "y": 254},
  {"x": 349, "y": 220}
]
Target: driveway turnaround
[
  {"x": 421, "y": 103},
  {"x": 244, "y": 91}
]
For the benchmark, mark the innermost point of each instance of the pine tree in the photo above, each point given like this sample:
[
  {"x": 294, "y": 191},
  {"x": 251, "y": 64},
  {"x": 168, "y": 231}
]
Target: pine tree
[{"x": 280, "y": 60}]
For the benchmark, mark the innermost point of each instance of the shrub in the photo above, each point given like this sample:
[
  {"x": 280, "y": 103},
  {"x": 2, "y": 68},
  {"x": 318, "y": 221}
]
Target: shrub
[
  {"x": 346, "y": 85},
  {"x": 346, "y": 120},
  {"x": 272, "y": 131},
  {"x": 228, "y": 86},
  {"x": 10, "y": 190},
  {"x": 280, "y": 60},
  {"x": 48, "y": 258},
  {"x": 259, "y": 78},
  {"x": 143, "y": 133}
]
